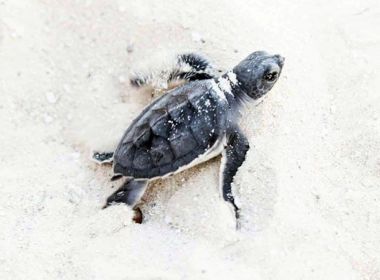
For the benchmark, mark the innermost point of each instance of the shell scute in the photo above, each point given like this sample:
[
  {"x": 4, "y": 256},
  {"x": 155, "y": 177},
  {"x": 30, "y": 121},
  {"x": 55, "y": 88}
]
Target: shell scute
[{"x": 171, "y": 132}]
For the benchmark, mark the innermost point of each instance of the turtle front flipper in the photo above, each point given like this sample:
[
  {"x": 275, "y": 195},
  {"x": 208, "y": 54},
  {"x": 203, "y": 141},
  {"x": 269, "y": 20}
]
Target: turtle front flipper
[
  {"x": 186, "y": 67},
  {"x": 192, "y": 67},
  {"x": 233, "y": 157}
]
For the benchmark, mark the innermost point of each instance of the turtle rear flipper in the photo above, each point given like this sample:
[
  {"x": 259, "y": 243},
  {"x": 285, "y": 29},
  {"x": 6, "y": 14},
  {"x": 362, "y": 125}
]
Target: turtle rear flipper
[
  {"x": 129, "y": 193},
  {"x": 102, "y": 158}
]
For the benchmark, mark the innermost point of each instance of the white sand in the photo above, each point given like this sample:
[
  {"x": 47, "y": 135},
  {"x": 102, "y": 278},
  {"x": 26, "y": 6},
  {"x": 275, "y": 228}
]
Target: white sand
[{"x": 309, "y": 190}]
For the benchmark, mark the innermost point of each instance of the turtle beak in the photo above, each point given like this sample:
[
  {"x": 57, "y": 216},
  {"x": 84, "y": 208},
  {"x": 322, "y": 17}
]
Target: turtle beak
[{"x": 280, "y": 60}]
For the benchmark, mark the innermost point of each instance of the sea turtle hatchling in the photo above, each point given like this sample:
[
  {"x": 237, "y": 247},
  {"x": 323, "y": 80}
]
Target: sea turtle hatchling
[{"x": 191, "y": 124}]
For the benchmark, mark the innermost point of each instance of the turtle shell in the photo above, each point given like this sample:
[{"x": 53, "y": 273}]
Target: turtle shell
[{"x": 174, "y": 130}]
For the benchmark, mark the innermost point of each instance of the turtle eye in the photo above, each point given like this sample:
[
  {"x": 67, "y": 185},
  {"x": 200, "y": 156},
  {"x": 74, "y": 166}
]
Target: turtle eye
[{"x": 271, "y": 76}]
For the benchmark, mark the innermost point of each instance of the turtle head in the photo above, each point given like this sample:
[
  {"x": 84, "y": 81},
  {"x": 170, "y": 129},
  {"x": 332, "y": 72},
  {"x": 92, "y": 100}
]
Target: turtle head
[{"x": 258, "y": 73}]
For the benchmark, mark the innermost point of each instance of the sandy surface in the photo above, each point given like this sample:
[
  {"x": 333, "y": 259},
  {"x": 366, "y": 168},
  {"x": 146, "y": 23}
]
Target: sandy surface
[{"x": 309, "y": 190}]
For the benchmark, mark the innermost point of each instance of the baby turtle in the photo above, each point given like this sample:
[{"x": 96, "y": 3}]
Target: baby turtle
[{"x": 191, "y": 124}]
